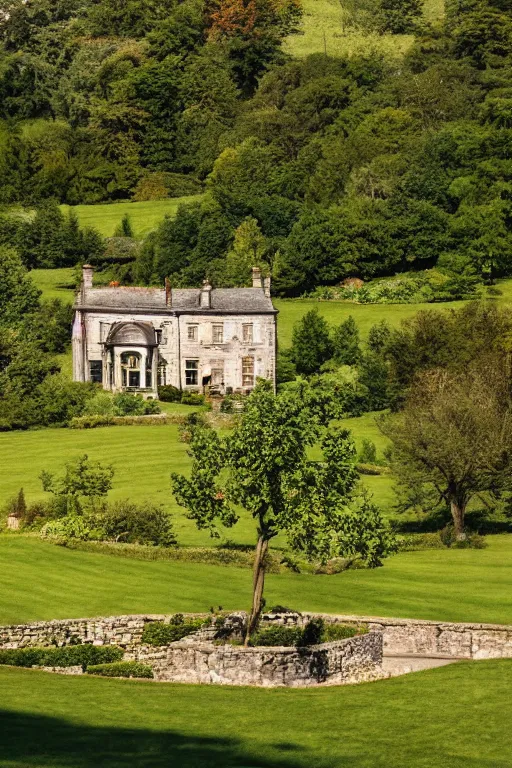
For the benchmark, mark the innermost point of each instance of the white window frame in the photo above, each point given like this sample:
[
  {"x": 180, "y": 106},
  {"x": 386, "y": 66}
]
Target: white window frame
[
  {"x": 189, "y": 370},
  {"x": 246, "y": 383},
  {"x": 192, "y": 332},
  {"x": 248, "y": 333},
  {"x": 218, "y": 333}
]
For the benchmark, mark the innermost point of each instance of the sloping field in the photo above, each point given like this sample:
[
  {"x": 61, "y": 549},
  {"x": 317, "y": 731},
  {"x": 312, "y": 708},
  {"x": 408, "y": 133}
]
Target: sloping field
[
  {"x": 39, "y": 580},
  {"x": 325, "y": 29},
  {"x": 144, "y": 216}
]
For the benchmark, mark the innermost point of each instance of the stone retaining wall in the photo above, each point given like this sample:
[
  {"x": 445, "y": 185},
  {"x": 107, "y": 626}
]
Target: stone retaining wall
[
  {"x": 423, "y": 638},
  {"x": 344, "y": 661},
  {"x": 399, "y": 637}
]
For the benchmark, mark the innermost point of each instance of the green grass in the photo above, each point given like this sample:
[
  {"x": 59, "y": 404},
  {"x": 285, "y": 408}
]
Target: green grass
[
  {"x": 144, "y": 216},
  {"x": 39, "y": 580},
  {"x": 325, "y": 29},
  {"x": 143, "y": 459},
  {"x": 55, "y": 283},
  {"x": 453, "y": 717},
  {"x": 335, "y": 312}
]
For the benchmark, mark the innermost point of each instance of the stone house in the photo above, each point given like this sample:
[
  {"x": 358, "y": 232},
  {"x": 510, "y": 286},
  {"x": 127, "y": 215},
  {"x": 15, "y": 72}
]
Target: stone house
[{"x": 136, "y": 339}]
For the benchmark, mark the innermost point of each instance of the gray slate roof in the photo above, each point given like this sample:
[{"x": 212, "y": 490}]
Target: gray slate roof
[{"x": 183, "y": 299}]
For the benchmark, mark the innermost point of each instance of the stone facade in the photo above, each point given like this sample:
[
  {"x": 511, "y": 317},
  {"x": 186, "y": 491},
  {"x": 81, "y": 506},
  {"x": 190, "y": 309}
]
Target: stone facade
[{"x": 135, "y": 339}]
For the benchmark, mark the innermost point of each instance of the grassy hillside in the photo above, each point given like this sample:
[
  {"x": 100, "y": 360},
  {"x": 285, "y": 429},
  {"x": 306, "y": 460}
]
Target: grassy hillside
[
  {"x": 143, "y": 459},
  {"x": 39, "y": 580},
  {"x": 144, "y": 216},
  {"x": 453, "y": 717},
  {"x": 55, "y": 283},
  {"x": 325, "y": 29}
]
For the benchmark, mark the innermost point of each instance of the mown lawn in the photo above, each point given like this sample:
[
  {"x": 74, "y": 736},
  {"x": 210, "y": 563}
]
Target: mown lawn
[
  {"x": 39, "y": 580},
  {"x": 144, "y": 216},
  {"x": 143, "y": 458},
  {"x": 453, "y": 717}
]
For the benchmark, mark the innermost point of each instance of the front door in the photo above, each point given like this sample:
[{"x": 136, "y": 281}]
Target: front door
[{"x": 134, "y": 379}]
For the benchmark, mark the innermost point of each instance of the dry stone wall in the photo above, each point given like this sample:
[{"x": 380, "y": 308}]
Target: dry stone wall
[
  {"x": 200, "y": 658},
  {"x": 344, "y": 661},
  {"x": 422, "y": 638}
]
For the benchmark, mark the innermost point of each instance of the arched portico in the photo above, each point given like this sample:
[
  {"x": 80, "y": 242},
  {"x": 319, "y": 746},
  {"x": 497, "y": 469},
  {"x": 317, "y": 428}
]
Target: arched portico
[{"x": 131, "y": 358}]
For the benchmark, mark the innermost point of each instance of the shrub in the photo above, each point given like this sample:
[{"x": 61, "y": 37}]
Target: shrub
[
  {"x": 208, "y": 555},
  {"x": 192, "y": 398},
  {"x": 169, "y": 394},
  {"x": 312, "y": 632},
  {"x": 157, "y": 633},
  {"x": 471, "y": 541},
  {"x": 341, "y": 632},
  {"x": 71, "y": 527},
  {"x": 372, "y": 469},
  {"x": 126, "y": 404},
  {"x": 282, "y": 609},
  {"x": 368, "y": 452},
  {"x": 92, "y": 422},
  {"x": 233, "y": 403},
  {"x": 121, "y": 669},
  {"x": 67, "y": 656},
  {"x": 144, "y": 523},
  {"x": 188, "y": 424},
  {"x": 418, "y": 541},
  {"x": 101, "y": 404},
  {"x": 315, "y": 632},
  {"x": 277, "y": 636}
]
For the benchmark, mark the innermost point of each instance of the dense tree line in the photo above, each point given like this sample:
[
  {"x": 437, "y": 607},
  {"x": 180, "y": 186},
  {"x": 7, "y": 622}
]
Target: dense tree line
[
  {"x": 364, "y": 166},
  {"x": 317, "y": 169}
]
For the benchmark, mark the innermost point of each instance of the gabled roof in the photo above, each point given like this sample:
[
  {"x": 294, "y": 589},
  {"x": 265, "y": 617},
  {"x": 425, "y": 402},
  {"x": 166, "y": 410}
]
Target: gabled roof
[{"x": 224, "y": 300}]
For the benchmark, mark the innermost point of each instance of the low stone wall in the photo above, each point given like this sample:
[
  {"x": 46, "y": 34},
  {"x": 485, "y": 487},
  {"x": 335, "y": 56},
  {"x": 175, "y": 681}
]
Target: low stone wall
[
  {"x": 344, "y": 661},
  {"x": 423, "y": 638},
  {"x": 197, "y": 659}
]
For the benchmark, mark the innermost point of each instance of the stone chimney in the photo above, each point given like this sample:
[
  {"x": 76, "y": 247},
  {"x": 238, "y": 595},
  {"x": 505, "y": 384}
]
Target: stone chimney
[
  {"x": 206, "y": 295},
  {"x": 87, "y": 273},
  {"x": 266, "y": 286},
  {"x": 256, "y": 277},
  {"x": 168, "y": 294}
]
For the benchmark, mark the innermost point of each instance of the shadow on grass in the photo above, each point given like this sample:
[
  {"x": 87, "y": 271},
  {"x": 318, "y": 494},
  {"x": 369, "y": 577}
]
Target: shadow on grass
[{"x": 36, "y": 741}]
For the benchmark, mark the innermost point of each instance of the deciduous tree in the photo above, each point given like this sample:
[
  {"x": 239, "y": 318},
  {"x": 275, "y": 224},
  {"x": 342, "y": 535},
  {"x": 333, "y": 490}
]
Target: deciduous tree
[
  {"x": 263, "y": 466},
  {"x": 453, "y": 438}
]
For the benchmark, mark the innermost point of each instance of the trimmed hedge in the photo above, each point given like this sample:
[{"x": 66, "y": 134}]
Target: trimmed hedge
[
  {"x": 315, "y": 632},
  {"x": 277, "y": 636},
  {"x": 67, "y": 656},
  {"x": 158, "y": 633},
  {"x": 91, "y": 422},
  {"x": 333, "y": 632},
  {"x": 209, "y": 555},
  {"x": 121, "y": 669}
]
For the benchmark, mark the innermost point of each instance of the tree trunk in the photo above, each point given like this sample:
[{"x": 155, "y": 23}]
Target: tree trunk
[
  {"x": 458, "y": 510},
  {"x": 258, "y": 584}
]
